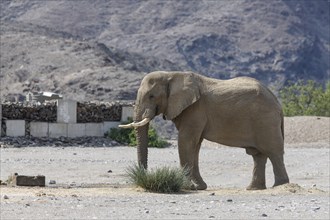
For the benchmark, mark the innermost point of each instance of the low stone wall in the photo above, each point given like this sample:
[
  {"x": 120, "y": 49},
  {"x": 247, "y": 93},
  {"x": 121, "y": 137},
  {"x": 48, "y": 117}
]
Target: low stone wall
[
  {"x": 62, "y": 118},
  {"x": 47, "y": 112}
]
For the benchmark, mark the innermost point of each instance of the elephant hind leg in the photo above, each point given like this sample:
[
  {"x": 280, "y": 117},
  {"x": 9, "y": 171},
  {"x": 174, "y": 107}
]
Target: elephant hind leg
[
  {"x": 281, "y": 176},
  {"x": 259, "y": 169}
]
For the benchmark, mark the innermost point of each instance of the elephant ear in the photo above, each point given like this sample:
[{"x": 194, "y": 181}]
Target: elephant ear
[{"x": 183, "y": 91}]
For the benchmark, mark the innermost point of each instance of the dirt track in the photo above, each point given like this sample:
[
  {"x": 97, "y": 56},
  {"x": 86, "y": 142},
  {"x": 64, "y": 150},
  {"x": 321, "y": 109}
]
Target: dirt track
[{"x": 86, "y": 189}]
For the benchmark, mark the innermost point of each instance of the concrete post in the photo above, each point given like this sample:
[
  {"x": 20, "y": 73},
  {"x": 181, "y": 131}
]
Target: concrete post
[
  {"x": 0, "y": 118},
  {"x": 127, "y": 112},
  {"x": 66, "y": 111}
]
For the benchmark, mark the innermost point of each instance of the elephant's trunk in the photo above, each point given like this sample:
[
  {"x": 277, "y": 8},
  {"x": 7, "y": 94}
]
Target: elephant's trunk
[
  {"x": 142, "y": 145},
  {"x": 142, "y": 140}
]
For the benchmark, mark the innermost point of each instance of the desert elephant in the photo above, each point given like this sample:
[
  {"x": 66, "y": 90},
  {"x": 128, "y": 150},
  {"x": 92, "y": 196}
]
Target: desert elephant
[{"x": 239, "y": 112}]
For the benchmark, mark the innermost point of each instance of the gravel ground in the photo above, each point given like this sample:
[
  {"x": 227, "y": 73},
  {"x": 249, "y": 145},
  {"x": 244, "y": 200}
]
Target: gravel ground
[{"x": 91, "y": 183}]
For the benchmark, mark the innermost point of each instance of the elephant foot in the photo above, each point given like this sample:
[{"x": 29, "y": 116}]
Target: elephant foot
[
  {"x": 281, "y": 182},
  {"x": 198, "y": 186},
  {"x": 254, "y": 186}
]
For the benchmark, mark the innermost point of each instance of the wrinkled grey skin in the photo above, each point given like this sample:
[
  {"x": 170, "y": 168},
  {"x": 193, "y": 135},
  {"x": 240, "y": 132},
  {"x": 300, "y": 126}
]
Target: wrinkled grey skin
[{"x": 239, "y": 112}]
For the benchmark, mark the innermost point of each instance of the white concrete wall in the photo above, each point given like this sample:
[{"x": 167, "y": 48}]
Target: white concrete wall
[
  {"x": 0, "y": 119},
  {"x": 66, "y": 125},
  {"x": 58, "y": 129},
  {"x": 15, "y": 128},
  {"x": 76, "y": 130},
  {"x": 94, "y": 129},
  {"x": 39, "y": 129},
  {"x": 107, "y": 125}
]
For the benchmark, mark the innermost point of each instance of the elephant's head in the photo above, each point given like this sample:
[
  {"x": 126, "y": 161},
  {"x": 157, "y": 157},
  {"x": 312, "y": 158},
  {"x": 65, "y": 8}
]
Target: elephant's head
[{"x": 167, "y": 93}]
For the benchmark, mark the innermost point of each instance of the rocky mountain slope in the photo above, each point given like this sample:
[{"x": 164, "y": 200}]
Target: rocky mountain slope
[{"x": 100, "y": 50}]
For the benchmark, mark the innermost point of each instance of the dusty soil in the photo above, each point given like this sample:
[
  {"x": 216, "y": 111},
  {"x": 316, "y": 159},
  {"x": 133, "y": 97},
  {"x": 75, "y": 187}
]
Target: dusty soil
[{"x": 91, "y": 183}]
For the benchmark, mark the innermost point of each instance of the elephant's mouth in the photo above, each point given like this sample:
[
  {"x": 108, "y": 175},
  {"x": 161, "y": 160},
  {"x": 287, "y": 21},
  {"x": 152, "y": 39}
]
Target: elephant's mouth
[
  {"x": 157, "y": 110},
  {"x": 141, "y": 123}
]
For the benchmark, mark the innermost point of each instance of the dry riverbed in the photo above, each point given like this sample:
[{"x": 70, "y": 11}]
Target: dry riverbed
[{"x": 90, "y": 183}]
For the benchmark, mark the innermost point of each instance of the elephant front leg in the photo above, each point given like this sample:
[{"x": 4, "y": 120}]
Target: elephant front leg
[
  {"x": 259, "y": 169},
  {"x": 189, "y": 154}
]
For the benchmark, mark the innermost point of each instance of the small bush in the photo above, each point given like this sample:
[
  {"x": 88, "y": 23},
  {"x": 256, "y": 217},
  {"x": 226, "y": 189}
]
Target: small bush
[
  {"x": 306, "y": 99},
  {"x": 155, "y": 140},
  {"x": 162, "y": 180},
  {"x": 128, "y": 136}
]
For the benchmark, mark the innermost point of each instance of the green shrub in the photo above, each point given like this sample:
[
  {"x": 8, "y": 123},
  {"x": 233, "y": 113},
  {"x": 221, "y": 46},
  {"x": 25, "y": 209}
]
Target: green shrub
[
  {"x": 163, "y": 180},
  {"x": 155, "y": 140},
  {"x": 128, "y": 136},
  {"x": 306, "y": 99}
]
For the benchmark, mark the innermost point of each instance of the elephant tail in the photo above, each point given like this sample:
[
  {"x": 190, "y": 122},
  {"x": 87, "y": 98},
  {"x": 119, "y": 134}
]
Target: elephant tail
[{"x": 282, "y": 124}]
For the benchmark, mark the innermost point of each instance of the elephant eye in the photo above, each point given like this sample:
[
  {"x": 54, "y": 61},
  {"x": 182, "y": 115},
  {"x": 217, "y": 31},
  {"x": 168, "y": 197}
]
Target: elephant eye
[{"x": 151, "y": 96}]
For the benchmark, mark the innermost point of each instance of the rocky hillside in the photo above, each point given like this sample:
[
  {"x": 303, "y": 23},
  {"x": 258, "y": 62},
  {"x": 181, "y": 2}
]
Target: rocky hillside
[{"x": 100, "y": 49}]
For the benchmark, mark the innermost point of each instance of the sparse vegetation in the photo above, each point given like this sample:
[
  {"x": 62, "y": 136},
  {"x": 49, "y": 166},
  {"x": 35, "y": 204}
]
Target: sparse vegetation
[
  {"x": 162, "y": 180},
  {"x": 306, "y": 98},
  {"x": 127, "y": 136}
]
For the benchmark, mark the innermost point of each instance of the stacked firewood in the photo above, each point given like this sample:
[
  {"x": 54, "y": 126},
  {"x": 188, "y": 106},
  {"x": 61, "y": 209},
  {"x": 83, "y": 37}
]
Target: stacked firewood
[
  {"x": 29, "y": 111},
  {"x": 98, "y": 112}
]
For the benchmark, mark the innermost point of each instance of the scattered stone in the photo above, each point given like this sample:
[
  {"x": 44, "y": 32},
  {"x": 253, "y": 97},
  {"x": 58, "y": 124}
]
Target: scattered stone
[
  {"x": 147, "y": 212},
  {"x": 264, "y": 215},
  {"x": 229, "y": 200},
  {"x": 315, "y": 208},
  {"x": 41, "y": 194},
  {"x": 52, "y": 182},
  {"x": 15, "y": 142},
  {"x": 109, "y": 171},
  {"x": 212, "y": 194},
  {"x": 5, "y": 197},
  {"x": 211, "y": 216}
]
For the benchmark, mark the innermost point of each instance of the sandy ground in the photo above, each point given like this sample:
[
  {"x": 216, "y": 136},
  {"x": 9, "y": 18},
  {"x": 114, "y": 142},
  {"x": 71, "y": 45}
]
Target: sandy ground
[{"x": 91, "y": 184}]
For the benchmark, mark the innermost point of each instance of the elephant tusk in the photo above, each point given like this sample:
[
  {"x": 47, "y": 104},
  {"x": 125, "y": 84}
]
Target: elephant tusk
[
  {"x": 126, "y": 126},
  {"x": 142, "y": 123},
  {"x": 136, "y": 124}
]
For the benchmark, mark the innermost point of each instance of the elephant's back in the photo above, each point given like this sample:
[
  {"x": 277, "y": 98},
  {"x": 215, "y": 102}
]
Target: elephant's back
[{"x": 243, "y": 93}]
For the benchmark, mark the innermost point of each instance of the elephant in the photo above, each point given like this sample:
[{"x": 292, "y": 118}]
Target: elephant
[{"x": 239, "y": 112}]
